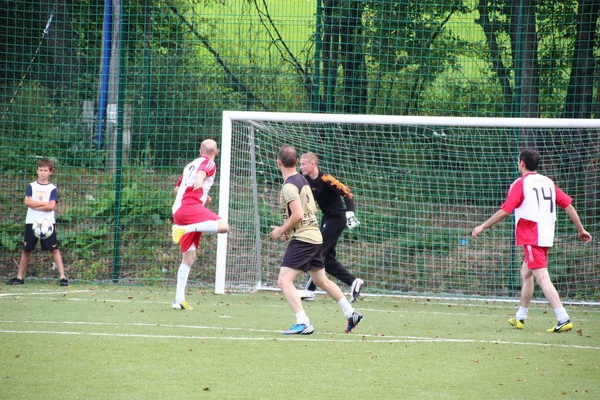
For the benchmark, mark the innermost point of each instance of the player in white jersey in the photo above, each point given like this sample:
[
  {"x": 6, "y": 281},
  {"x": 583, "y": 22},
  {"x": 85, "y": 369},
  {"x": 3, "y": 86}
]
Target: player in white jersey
[
  {"x": 534, "y": 198},
  {"x": 190, "y": 215},
  {"x": 40, "y": 199}
]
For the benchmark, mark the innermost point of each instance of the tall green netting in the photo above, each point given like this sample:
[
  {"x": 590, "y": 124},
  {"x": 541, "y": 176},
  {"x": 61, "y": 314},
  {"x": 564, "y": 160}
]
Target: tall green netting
[
  {"x": 119, "y": 94},
  {"x": 420, "y": 187}
]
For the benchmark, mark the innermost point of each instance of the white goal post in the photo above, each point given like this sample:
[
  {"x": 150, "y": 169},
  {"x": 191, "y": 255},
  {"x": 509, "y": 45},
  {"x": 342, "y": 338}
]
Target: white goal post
[{"x": 420, "y": 185}]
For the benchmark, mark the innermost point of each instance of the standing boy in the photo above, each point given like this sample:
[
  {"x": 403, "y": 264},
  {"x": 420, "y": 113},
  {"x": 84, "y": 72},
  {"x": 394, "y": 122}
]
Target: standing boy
[
  {"x": 534, "y": 198},
  {"x": 40, "y": 199},
  {"x": 304, "y": 251}
]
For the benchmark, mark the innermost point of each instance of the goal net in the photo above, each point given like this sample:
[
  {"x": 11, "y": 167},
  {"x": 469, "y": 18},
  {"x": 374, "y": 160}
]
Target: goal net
[{"x": 420, "y": 184}]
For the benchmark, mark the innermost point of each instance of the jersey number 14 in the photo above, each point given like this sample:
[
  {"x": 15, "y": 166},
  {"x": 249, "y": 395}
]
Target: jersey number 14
[{"x": 544, "y": 197}]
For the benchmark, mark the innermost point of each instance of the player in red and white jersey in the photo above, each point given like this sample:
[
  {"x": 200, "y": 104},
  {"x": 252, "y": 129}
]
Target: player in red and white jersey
[
  {"x": 188, "y": 179},
  {"x": 190, "y": 215},
  {"x": 534, "y": 197}
]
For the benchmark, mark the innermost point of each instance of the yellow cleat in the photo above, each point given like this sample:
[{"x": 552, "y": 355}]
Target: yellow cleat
[
  {"x": 182, "y": 306},
  {"x": 561, "y": 327},
  {"x": 517, "y": 323},
  {"x": 177, "y": 233}
]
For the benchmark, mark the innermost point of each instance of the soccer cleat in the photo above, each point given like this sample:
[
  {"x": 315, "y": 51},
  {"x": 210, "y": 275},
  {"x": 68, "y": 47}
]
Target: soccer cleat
[
  {"x": 300, "y": 329},
  {"x": 182, "y": 306},
  {"x": 353, "y": 321},
  {"x": 307, "y": 295},
  {"x": 15, "y": 281},
  {"x": 355, "y": 290},
  {"x": 517, "y": 323},
  {"x": 177, "y": 233},
  {"x": 561, "y": 327},
  {"x": 64, "y": 282}
]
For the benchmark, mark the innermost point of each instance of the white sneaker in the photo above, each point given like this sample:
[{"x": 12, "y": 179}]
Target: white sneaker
[
  {"x": 355, "y": 290},
  {"x": 307, "y": 295}
]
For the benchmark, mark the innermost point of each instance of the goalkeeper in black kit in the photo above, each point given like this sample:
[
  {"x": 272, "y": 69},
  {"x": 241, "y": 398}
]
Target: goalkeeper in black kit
[{"x": 337, "y": 205}]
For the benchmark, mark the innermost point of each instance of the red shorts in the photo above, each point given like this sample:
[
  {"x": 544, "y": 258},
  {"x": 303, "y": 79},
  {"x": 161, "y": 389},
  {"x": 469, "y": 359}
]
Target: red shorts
[
  {"x": 192, "y": 214},
  {"x": 536, "y": 256}
]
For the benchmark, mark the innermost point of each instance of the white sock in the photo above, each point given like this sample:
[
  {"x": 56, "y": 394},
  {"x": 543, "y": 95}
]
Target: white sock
[
  {"x": 522, "y": 313},
  {"x": 182, "y": 278},
  {"x": 561, "y": 314},
  {"x": 206, "y": 226},
  {"x": 302, "y": 318},
  {"x": 346, "y": 307}
]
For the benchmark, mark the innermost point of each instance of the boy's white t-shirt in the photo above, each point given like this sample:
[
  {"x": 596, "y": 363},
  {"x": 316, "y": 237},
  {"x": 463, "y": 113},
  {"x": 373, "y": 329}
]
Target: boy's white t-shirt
[{"x": 40, "y": 192}]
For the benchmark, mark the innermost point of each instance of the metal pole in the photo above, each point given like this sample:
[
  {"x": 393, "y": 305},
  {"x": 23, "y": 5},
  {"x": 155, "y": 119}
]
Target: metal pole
[
  {"x": 119, "y": 149},
  {"x": 316, "y": 80},
  {"x": 513, "y": 286}
]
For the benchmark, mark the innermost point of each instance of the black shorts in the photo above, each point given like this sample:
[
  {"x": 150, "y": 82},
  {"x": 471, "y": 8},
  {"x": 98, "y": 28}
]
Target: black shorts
[
  {"x": 303, "y": 256},
  {"x": 30, "y": 241}
]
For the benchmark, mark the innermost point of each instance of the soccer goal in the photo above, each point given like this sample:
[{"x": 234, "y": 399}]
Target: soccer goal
[{"x": 421, "y": 184}]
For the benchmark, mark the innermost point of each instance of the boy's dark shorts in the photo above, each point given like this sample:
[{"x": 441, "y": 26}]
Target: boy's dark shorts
[
  {"x": 303, "y": 256},
  {"x": 30, "y": 241}
]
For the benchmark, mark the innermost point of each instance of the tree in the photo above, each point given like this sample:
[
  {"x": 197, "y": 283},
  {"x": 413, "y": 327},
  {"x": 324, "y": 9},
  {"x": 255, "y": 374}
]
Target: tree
[
  {"x": 343, "y": 46},
  {"x": 580, "y": 93},
  {"x": 409, "y": 46}
]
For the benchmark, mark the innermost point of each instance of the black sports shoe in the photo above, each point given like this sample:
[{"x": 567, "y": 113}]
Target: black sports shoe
[
  {"x": 355, "y": 290},
  {"x": 15, "y": 281},
  {"x": 64, "y": 282}
]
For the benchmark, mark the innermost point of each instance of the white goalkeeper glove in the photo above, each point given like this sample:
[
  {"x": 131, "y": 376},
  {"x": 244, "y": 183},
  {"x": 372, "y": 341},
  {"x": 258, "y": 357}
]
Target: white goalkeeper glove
[{"x": 351, "y": 221}]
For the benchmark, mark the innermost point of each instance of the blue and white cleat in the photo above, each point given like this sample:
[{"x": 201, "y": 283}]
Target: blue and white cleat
[{"x": 300, "y": 329}]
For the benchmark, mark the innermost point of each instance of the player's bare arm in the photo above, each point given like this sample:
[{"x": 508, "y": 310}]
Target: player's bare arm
[
  {"x": 494, "y": 219},
  {"x": 581, "y": 232},
  {"x": 296, "y": 216},
  {"x": 200, "y": 177}
]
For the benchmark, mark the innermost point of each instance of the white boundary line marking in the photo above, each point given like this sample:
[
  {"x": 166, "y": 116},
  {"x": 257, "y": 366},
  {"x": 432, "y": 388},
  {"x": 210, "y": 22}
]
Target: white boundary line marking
[
  {"x": 404, "y": 310},
  {"x": 43, "y": 293},
  {"x": 458, "y": 301},
  {"x": 366, "y": 338},
  {"x": 398, "y": 339}
]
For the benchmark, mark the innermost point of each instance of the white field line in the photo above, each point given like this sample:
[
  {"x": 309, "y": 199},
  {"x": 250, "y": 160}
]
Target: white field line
[
  {"x": 510, "y": 309},
  {"x": 63, "y": 292},
  {"x": 435, "y": 300},
  {"x": 360, "y": 339}
]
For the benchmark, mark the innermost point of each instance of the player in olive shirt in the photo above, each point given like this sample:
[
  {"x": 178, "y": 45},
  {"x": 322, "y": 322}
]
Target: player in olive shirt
[{"x": 303, "y": 253}]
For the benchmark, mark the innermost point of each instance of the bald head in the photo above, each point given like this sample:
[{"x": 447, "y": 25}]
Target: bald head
[{"x": 208, "y": 148}]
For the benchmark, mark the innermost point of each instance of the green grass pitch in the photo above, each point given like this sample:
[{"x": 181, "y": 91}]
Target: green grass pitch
[{"x": 125, "y": 342}]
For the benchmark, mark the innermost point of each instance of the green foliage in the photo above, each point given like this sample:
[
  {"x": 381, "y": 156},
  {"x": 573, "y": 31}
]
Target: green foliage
[{"x": 11, "y": 234}]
